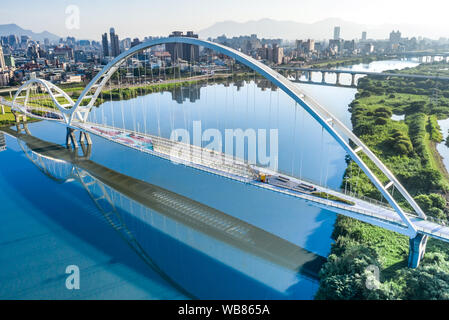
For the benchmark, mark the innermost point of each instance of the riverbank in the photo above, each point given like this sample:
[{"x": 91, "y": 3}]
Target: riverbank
[
  {"x": 408, "y": 148},
  {"x": 126, "y": 91},
  {"x": 7, "y": 117}
]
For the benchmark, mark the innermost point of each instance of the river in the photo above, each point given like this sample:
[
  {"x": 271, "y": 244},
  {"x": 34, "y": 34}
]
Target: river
[{"x": 48, "y": 224}]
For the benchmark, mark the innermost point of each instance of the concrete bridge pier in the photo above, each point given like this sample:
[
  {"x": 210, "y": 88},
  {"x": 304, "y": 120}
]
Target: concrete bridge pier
[
  {"x": 85, "y": 138},
  {"x": 353, "y": 83},
  {"x": 417, "y": 249},
  {"x": 21, "y": 119},
  {"x": 297, "y": 75},
  {"x": 323, "y": 76},
  {"x": 25, "y": 127},
  {"x": 338, "y": 78},
  {"x": 87, "y": 150},
  {"x": 309, "y": 76},
  {"x": 71, "y": 141}
]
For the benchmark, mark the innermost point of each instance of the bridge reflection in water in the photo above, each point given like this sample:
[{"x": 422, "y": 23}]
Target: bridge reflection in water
[{"x": 201, "y": 251}]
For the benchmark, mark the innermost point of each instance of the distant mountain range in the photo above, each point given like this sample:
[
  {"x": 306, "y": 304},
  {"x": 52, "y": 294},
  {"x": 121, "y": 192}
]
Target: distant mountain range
[
  {"x": 7, "y": 29},
  {"x": 273, "y": 29}
]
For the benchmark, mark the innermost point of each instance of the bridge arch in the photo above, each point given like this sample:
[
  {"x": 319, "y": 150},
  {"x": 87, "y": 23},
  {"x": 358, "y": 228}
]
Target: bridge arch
[
  {"x": 79, "y": 112},
  {"x": 53, "y": 91}
]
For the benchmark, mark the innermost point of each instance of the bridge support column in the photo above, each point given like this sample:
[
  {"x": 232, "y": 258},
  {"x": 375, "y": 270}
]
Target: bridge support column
[
  {"x": 309, "y": 76},
  {"x": 353, "y": 84},
  {"x": 338, "y": 78},
  {"x": 71, "y": 138},
  {"x": 85, "y": 138},
  {"x": 323, "y": 76},
  {"x": 21, "y": 118},
  {"x": 25, "y": 127},
  {"x": 296, "y": 75},
  {"x": 416, "y": 250}
]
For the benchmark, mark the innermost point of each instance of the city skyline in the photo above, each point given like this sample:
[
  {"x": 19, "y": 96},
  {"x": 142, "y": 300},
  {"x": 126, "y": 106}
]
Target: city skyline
[{"x": 197, "y": 15}]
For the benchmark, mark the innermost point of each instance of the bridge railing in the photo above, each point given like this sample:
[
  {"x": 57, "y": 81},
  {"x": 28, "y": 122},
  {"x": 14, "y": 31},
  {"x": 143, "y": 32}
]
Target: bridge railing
[
  {"x": 335, "y": 204},
  {"x": 437, "y": 220},
  {"x": 351, "y": 194},
  {"x": 241, "y": 161}
]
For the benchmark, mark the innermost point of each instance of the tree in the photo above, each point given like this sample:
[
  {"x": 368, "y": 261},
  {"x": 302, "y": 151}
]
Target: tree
[
  {"x": 417, "y": 106},
  {"x": 438, "y": 200},
  {"x": 428, "y": 282},
  {"x": 344, "y": 277}
]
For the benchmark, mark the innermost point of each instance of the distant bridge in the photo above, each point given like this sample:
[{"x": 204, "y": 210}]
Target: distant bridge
[
  {"x": 422, "y": 54},
  {"x": 295, "y": 74},
  {"x": 74, "y": 115}
]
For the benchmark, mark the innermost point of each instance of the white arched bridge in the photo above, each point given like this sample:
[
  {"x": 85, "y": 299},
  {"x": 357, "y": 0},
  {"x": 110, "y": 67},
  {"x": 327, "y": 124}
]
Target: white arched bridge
[{"x": 62, "y": 109}]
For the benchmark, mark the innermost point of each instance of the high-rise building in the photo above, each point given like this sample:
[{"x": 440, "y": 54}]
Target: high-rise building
[
  {"x": 64, "y": 53},
  {"x": 395, "y": 37},
  {"x": 182, "y": 51},
  {"x": 125, "y": 44},
  {"x": 115, "y": 45},
  {"x": 278, "y": 54},
  {"x": 13, "y": 40},
  {"x": 335, "y": 46},
  {"x": 310, "y": 45},
  {"x": 104, "y": 41},
  {"x": 10, "y": 62},
  {"x": 336, "y": 33},
  {"x": 175, "y": 49},
  {"x": 24, "y": 41},
  {"x": 33, "y": 52},
  {"x": 135, "y": 42},
  {"x": 2, "y": 59},
  {"x": 368, "y": 48},
  {"x": 349, "y": 45},
  {"x": 191, "y": 52},
  {"x": 364, "y": 36}
]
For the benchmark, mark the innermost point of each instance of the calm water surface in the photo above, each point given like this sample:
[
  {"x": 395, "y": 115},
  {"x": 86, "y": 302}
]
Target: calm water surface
[{"x": 187, "y": 248}]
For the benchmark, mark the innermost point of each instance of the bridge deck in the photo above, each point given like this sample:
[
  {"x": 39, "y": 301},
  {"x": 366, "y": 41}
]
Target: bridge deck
[{"x": 223, "y": 165}]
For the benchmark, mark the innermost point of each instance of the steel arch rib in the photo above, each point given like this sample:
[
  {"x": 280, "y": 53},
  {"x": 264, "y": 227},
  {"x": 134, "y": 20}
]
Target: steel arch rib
[
  {"x": 48, "y": 87},
  {"x": 319, "y": 113}
]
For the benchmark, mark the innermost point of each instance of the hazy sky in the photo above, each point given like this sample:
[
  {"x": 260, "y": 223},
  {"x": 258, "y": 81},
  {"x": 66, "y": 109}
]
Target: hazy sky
[{"x": 141, "y": 18}]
